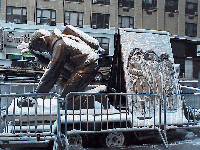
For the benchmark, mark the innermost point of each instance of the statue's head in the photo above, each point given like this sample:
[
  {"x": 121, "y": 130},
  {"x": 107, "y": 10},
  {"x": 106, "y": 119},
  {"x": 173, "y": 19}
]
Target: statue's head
[{"x": 39, "y": 41}]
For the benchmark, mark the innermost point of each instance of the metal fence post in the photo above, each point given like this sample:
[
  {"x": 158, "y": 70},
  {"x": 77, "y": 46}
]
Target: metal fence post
[
  {"x": 66, "y": 102},
  {"x": 58, "y": 121},
  {"x": 164, "y": 110}
]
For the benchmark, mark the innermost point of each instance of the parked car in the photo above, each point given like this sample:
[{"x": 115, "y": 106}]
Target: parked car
[
  {"x": 104, "y": 63},
  {"x": 21, "y": 68}
]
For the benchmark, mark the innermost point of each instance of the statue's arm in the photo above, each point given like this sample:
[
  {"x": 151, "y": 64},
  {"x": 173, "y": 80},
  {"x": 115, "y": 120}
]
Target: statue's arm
[{"x": 54, "y": 68}]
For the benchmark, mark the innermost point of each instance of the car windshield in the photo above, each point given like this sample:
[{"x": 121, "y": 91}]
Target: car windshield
[{"x": 105, "y": 62}]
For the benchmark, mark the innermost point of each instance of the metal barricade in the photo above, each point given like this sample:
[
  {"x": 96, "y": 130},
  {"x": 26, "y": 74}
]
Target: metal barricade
[
  {"x": 44, "y": 117},
  {"x": 183, "y": 111},
  {"x": 91, "y": 113},
  {"x": 29, "y": 118}
]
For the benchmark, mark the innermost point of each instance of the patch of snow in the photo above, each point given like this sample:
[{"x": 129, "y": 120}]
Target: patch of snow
[
  {"x": 83, "y": 47},
  {"x": 84, "y": 35}
]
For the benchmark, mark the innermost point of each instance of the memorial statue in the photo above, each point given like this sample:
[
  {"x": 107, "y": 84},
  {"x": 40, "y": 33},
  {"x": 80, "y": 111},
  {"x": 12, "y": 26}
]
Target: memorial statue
[{"x": 70, "y": 57}]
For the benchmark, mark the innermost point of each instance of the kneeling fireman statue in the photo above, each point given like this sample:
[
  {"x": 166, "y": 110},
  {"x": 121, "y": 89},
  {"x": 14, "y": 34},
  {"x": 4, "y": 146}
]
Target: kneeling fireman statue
[{"x": 70, "y": 57}]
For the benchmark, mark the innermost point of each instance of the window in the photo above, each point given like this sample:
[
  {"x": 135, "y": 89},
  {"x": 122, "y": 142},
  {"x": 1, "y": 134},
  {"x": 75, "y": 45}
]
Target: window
[
  {"x": 125, "y": 22},
  {"x": 75, "y": 0},
  {"x": 16, "y": 15},
  {"x": 171, "y": 5},
  {"x": 104, "y": 43},
  {"x": 149, "y": 4},
  {"x": 191, "y": 8},
  {"x": 74, "y": 18},
  {"x": 105, "y": 2},
  {"x": 126, "y": 3},
  {"x": 191, "y": 29},
  {"x": 46, "y": 16},
  {"x": 1, "y": 40},
  {"x": 100, "y": 21}
]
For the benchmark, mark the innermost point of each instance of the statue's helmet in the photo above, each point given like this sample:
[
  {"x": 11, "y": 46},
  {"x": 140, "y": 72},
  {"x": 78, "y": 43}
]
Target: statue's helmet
[{"x": 38, "y": 41}]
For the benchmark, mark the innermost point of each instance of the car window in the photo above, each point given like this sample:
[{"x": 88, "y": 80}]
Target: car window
[{"x": 105, "y": 62}]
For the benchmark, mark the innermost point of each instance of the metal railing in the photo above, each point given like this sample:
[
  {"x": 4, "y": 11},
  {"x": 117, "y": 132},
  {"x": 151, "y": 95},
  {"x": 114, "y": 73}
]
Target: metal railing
[
  {"x": 28, "y": 117},
  {"x": 87, "y": 113},
  {"x": 46, "y": 117}
]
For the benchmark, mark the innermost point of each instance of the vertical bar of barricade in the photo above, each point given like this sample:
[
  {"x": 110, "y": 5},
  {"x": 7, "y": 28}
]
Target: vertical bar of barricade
[
  {"x": 65, "y": 103},
  {"x": 43, "y": 115},
  {"x": 132, "y": 111},
  {"x": 73, "y": 112},
  {"x": 177, "y": 108},
  {"x": 160, "y": 113},
  {"x": 94, "y": 112},
  {"x": 136, "y": 109},
  {"x": 144, "y": 102},
  {"x": 126, "y": 111},
  {"x": 120, "y": 101},
  {"x": 182, "y": 108},
  {"x": 165, "y": 112},
  {"x": 87, "y": 113},
  {"x": 58, "y": 120},
  {"x": 149, "y": 108},
  {"x": 107, "y": 114},
  {"x": 36, "y": 114},
  {"x": 0, "y": 105},
  {"x": 101, "y": 112},
  {"x": 115, "y": 97},
  {"x": 195, "y": 107},
  {"x": 14, "y": 115},
  {"x": 21, "y": 116},
  {"x": 28, "y": 116},
  {"x": 50, "y": 114},
  {"x": 154, "y": 112},
  {"x": 80, "y": 111},
  {"x": 113, "y": 112}
]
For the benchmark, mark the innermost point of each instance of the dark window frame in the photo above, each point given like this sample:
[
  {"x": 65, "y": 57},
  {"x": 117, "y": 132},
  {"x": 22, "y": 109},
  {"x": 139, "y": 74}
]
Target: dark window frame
[
  {"x": 120, "y": 23},
  {"x": 171, "y": 5},
  {"x": 149, "y": 6},
  {"x": 21, "y": 19},
  {"x": 78, "y": 21},
  {"x": 104, "y": 2},
  {"x": 126, "y": 3},
  {"x": 194, "y": 29},
  {"x": 101, "y": 21},
  {"x": 42, "y": 19},
  {"x": 193, "y": 10}
]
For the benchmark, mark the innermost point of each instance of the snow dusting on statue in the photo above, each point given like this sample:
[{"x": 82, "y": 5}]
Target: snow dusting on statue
[{"x": 70, "y": 57}]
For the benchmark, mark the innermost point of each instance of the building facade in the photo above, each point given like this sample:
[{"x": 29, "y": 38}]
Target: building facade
[
  {"x": 179, "y": 17},
  {"x": 102, "y": 18}
]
